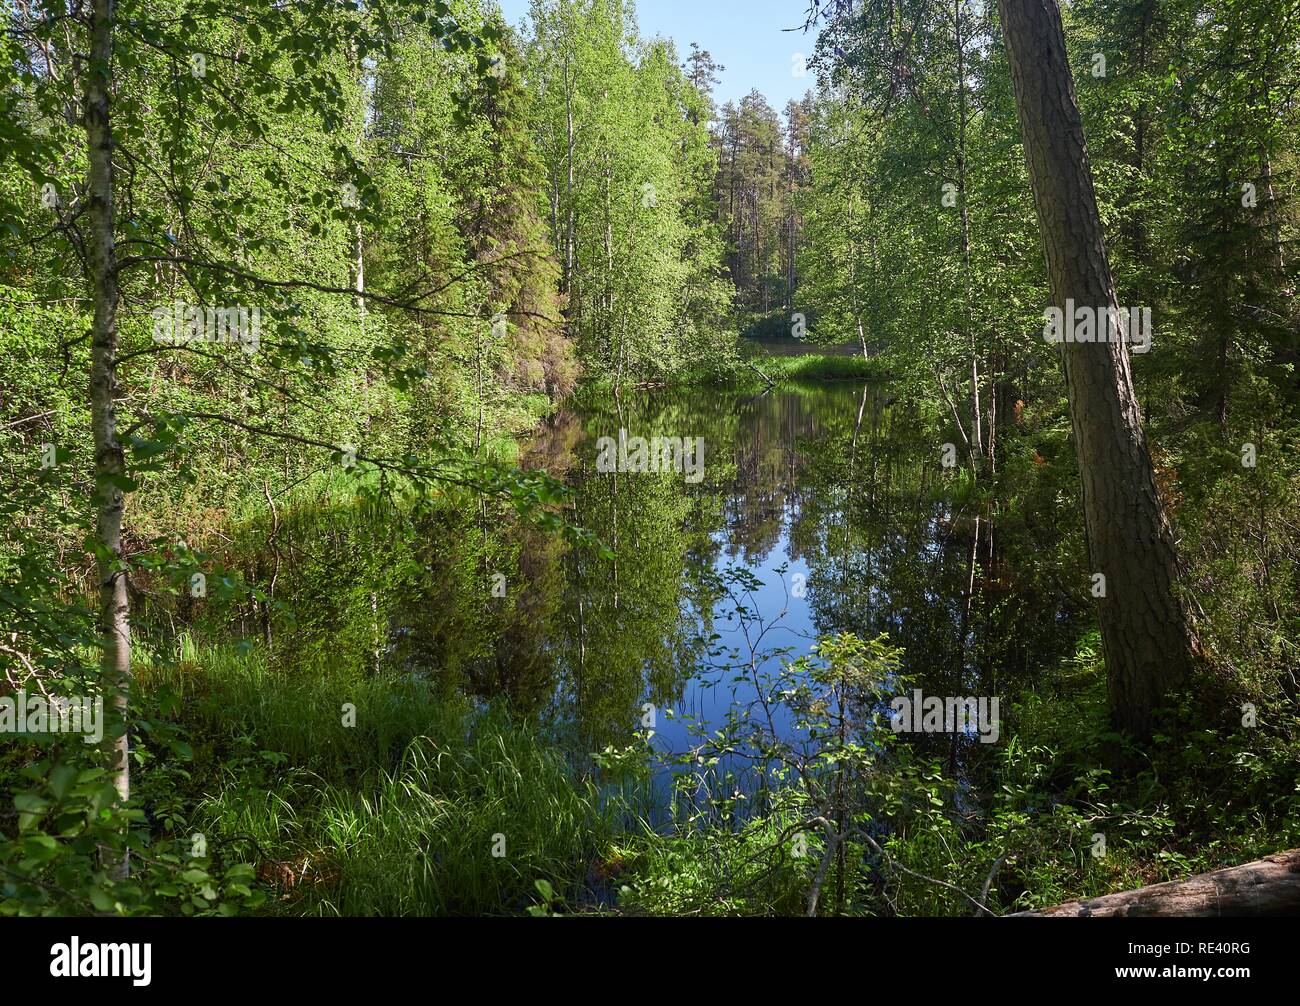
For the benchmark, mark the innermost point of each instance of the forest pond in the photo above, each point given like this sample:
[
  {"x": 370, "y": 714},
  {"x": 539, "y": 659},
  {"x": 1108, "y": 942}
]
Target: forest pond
[{"x": 822, "y": 508}]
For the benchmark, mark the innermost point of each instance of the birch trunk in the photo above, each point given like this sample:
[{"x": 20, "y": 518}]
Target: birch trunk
[{"x": 114, "y": 615}]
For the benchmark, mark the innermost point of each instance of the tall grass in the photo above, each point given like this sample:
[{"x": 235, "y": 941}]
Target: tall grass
[
  {"x": 426, "y": 806},
  {"x": 425, "y": 840},
  {"x": 817, "y": 367}
]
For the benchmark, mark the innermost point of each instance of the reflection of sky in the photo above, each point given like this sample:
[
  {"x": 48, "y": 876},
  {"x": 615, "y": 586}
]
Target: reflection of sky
[{"x": 776, "y": 621}]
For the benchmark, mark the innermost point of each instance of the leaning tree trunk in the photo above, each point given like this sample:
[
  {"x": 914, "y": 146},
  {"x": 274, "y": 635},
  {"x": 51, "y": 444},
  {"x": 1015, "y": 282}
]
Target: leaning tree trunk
[
  {"x": 1147, "y": 633},
  {"x": 114, "y": 622}
]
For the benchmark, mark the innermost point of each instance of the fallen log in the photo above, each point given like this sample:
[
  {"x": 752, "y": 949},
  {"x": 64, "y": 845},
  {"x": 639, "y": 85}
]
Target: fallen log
[{"x": 1270, "y": 886}]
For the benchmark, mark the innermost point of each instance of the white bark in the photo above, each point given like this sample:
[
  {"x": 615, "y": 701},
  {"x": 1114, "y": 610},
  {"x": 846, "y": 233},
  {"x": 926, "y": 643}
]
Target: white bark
[{"x": 114, "y": 616}]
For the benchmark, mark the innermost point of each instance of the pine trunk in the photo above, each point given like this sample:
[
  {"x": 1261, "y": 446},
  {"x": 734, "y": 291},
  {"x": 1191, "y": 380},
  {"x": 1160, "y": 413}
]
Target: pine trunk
[{"x": 1147, "y": 634}]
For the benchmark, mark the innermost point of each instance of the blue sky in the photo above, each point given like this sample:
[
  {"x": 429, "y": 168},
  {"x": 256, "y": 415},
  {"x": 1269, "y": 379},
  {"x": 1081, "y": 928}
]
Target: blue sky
[{"x": 745, "y": 36}]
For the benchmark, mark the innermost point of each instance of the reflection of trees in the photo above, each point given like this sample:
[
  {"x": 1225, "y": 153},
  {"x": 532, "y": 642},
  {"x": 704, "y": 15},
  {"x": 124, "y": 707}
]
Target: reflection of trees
[
  {"x": 768, "y": 480},
  {"x": 626, "y": 635},
  {"x": 887, "y": 535},
  {"x": 408, "y": 589},
  {"x": 451, "y": 624},
  {"x": 631, "y": 621},
  {"x": 626, "y": 627},
  {"x": 848, "y": 473}
]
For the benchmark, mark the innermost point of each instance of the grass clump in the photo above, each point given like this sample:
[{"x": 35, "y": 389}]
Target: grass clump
[{"x": 377, "y": 795}]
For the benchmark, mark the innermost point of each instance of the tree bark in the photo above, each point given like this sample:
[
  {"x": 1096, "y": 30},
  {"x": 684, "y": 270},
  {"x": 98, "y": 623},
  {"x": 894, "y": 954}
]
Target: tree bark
[
  {"x": 1270, "y": 886},
  {"x": 114, "y": 612},
  {"x": 1147, "y": 632},
  {"x": 976, "y": 423},
  {"x": 568, "y": 190}
]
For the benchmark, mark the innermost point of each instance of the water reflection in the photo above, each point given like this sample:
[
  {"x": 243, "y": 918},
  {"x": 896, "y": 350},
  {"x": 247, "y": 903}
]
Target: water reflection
[{"x": 830, "y": 495}]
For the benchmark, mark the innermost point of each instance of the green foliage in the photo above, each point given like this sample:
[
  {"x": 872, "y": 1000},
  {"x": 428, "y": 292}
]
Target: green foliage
[
  {"x": 71, "y": 828},
  {"x": 626, "y": 153},
  {"x": 443, "y": 225},
  {"x": 395, "y": 816}
]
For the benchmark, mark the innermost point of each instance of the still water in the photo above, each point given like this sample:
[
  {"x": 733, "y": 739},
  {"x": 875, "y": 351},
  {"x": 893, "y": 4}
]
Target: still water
[
  {"x": 822, "y": 509},
  {"x": 817, "y": 509}
]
